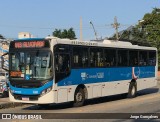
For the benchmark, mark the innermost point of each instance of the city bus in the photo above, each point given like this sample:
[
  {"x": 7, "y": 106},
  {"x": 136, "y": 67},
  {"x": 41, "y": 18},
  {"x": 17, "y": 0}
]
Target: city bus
[{"x": 52, "y": 70}]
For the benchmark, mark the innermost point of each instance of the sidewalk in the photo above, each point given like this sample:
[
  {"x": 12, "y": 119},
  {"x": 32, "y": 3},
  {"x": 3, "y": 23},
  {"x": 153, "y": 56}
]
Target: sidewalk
[{"x": 6, "y": 103}]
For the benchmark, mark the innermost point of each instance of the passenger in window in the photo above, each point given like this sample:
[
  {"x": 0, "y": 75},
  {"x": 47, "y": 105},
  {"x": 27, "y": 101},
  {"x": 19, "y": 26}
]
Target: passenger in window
[
  {"x": 140, "y": 62},
  {"x": 111, "y": 64},
  {"x": 60, "y": 60},
  {"x": 107, "y": 64},
  {"x": 135, "y": 61},
  {"x": 101, "y": 64}
]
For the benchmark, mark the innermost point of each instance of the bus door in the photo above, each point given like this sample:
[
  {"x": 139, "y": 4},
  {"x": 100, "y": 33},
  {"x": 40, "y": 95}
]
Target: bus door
[{"x": 62, "y": 66}]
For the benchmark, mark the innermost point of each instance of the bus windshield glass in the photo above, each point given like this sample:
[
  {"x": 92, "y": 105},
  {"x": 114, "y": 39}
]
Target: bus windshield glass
[{"x": 30, "y": 65}]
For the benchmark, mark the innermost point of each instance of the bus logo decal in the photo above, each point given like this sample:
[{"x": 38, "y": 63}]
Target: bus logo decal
[
  {"x": 98, "y": 75},
  {"x": 27, "y": 77},
  {"x": 84, "y": 75}
]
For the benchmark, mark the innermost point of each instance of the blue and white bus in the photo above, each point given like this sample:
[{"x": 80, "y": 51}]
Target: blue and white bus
[{"x": 52, "y": 70}]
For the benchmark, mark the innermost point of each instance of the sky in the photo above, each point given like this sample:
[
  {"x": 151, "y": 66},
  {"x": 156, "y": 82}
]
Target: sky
[{"x": 42, "y": 17}]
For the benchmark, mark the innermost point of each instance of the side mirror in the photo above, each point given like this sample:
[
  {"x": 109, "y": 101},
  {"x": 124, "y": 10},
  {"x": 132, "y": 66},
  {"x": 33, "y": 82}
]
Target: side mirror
[{"x": 2, "y": 61}]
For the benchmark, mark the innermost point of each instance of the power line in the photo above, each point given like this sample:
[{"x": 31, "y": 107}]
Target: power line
[{"x": 75, "y": 28}]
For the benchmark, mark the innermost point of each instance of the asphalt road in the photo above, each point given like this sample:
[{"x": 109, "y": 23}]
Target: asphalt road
[{"x": 114, "y": 108}]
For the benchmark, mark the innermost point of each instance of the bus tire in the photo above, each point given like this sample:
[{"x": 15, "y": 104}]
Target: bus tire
[
  {"x": 79, "y": 97},
  {"x": 132, "y": 90},
  {"x": 5, "y": 94}
]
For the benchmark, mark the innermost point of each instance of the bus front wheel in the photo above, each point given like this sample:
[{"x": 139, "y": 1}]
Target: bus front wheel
[
  {"x": 79, "y": 97},
  {"x": 132, "y": 90}
]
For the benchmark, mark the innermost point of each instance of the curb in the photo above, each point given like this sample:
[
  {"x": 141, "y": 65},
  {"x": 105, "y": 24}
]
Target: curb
[{"x": 10, "y": 105}]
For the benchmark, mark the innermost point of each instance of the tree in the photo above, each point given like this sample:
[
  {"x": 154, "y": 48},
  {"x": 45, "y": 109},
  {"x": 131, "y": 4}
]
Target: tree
[
  {"x": 146, "y": 32},
  {"x": 1, "y": 37},
  {"x": 65, "y": 34},
  {"x": 57, "y": 33},
  {"x": 70, "y": 34}
]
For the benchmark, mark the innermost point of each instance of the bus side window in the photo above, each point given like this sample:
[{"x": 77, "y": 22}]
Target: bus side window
[
  {"x": 80, "y": 57},
  {"x": 143, "y": 58},
  {"x": 122, "y": 57},
  {"x": 92, "y": 59},
  {"x": 133, "y": 58},
  {"x": 135, "y": 61},
  {"x": 58, "y": 60},
  {"x": 96, "y": 57},
  {"x": 152, "y": 58},
  {"x": 62, "y": 63},
  {"x": 110, "y": 57}
]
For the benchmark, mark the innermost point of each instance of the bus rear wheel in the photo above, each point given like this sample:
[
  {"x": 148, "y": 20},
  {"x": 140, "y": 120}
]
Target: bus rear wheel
[
  {"x": 132, "y": 90},
  {"x": 79, "y": 97}
]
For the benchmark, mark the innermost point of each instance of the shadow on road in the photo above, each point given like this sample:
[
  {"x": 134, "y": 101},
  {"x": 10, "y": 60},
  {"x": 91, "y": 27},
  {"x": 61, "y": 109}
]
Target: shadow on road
[
  {"x": 91, "y": 101},
  {"x": 148, "y": 91}
]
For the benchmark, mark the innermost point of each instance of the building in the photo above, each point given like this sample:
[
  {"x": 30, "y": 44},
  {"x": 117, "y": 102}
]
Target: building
[
  {"x": 24, "y": 35},
  {"x": 4, "y": 47}
]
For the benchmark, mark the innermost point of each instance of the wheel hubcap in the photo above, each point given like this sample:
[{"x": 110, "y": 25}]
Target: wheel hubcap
[
  {"x": 133, "y": 91},
  {"x": 79, "y": 97}
]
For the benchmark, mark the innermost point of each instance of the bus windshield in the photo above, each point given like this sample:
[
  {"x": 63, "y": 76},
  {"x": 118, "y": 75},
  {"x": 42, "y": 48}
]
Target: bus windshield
[{"x": 30, "y": 65}]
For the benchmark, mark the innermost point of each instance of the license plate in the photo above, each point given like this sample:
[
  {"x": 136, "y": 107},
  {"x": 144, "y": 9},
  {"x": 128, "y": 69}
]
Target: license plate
[{"x": 25, "y": 98}]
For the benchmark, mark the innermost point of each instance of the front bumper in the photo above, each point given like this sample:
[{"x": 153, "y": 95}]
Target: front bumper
[{"x": 45, "y": 99}]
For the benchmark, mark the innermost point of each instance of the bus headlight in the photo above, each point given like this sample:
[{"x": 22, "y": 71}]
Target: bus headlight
[{"x": 46, "y": 91}]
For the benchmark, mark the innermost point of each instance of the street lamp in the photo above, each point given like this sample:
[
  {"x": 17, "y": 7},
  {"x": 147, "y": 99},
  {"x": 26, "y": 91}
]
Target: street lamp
[{"x": 94, "y": 30}]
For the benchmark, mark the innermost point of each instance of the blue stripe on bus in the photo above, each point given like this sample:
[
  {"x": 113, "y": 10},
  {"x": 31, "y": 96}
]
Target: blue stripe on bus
[
  {"x": 30, "y": 91},
  {"x": 29, "y": 39},
  {"x": 97, "y": 75}
]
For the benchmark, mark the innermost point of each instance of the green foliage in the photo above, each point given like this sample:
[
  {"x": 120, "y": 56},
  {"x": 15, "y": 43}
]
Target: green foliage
[
  {"x": 70, "y": 34},
  {"x": 57, "y": 33},
  {"x": 146, "y": 32},
  {"x": 1, "y": 37}
]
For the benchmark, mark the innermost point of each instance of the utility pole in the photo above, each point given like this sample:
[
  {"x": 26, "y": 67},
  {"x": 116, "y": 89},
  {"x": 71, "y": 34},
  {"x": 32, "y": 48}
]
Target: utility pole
[
  {"x": 81, "y": 33},
  {"x": 116, "y": 26},
  {"x": 94, "y": 30}
]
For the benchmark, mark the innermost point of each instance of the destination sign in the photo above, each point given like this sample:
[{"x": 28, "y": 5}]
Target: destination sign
[
  {"x": 84, "y": 43},
  {"x": 15, "y": 73},
  {"x": 29, "y": 44}
]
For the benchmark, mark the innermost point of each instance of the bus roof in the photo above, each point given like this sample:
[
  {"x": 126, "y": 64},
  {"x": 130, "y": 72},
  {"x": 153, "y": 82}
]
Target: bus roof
[
  {"x": 98, "y": 43},
  {"x": 102, "y": 43}
]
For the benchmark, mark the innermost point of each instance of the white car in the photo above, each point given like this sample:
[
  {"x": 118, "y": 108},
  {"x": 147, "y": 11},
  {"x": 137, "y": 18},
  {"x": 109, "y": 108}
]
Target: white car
[{"x": 3, "y": 85}]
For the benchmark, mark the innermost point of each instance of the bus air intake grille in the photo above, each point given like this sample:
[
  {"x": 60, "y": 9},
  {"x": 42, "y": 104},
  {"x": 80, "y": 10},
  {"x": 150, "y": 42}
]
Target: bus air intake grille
[{"x": 26, "y": 97}]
